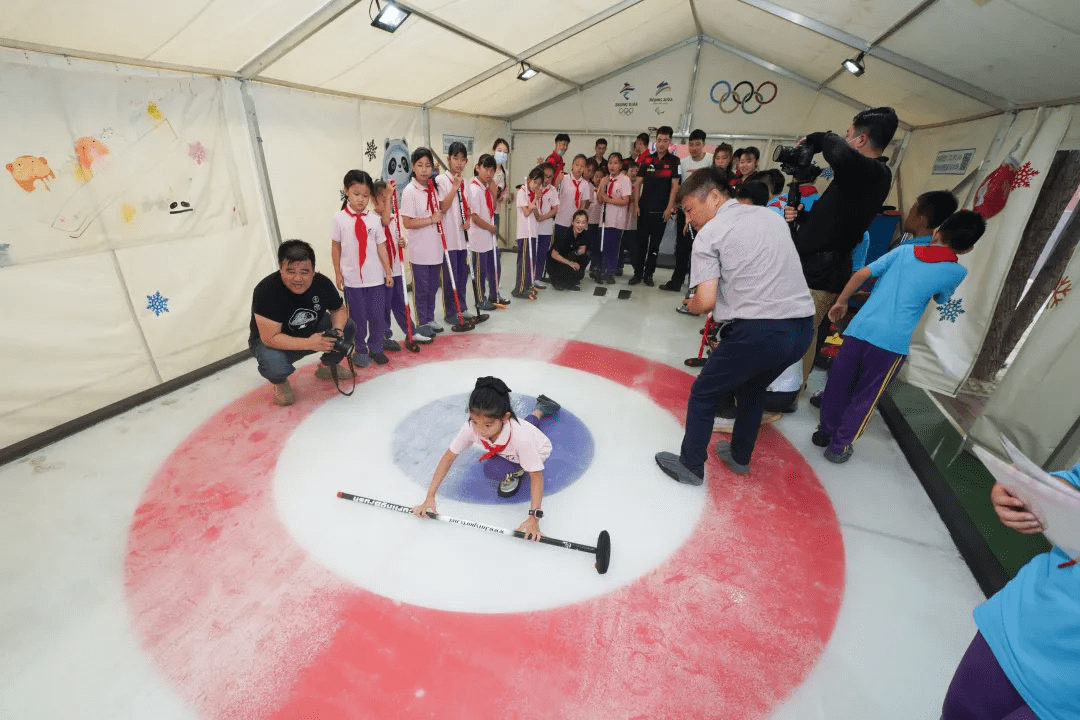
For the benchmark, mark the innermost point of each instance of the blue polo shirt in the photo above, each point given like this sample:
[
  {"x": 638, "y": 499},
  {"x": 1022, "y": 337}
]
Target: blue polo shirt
[
  {"x": 1033, "y": 626},
  {"x": 920, "y": 240},
  {"x": 904, "y": 287}
]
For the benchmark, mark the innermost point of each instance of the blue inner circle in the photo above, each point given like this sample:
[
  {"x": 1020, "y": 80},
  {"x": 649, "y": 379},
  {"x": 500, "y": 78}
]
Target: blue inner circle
[{"x": 424, "y": 435}]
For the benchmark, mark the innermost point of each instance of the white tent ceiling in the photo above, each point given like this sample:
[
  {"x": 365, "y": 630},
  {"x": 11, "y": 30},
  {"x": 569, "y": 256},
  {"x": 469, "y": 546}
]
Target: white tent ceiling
[{"x": 933, "y": 60}]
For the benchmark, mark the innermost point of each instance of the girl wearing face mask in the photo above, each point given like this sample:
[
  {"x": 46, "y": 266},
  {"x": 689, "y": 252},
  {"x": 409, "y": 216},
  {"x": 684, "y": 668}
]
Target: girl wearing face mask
[{"x": 501, "y": 151}]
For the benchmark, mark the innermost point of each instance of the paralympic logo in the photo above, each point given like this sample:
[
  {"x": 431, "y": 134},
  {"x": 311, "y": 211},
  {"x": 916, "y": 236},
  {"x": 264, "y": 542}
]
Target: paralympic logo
[
  {"x": 627, "y": 88},
  {"x": 738, "y": 99}
]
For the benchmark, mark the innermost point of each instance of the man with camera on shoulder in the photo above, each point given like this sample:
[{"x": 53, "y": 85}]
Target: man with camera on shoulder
[
  {"x": 827, "y": 234},
  {"x": 296, "y": 311}
]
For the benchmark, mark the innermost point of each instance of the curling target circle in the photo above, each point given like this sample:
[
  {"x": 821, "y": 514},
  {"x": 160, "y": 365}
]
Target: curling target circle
[{"x": 247, "y": 621}]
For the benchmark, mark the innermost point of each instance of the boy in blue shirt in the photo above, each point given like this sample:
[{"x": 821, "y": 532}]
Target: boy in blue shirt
[
  {"x": 1024, "y": 662},
  {"x": 876, "y": 342},
  {"x": 927, "y": 213}
]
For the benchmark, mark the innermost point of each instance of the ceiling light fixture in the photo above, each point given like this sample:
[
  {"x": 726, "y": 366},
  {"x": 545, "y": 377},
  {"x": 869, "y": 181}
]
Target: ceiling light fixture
[
  {"x": 855, "y": 66},
  {"x": 389, "y": 17},
  {"x": 526, "y": 71}
]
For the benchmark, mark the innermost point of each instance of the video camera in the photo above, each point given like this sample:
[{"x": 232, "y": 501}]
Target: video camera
[{"x": 798, "y": 162}]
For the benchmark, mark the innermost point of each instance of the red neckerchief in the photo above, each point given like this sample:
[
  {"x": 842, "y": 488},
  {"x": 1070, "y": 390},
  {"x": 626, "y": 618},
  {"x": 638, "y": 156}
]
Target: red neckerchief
[
  {"x": 935, "y": 253},
  {"x": 487, "y": 197},
  {"x": 610, "y": 186},
  {"x": 361, "y": 236},
  {"x": 432, "y": 196},
  {"x": 493, "y": 450},
  {"x": 577, "y": 193}
]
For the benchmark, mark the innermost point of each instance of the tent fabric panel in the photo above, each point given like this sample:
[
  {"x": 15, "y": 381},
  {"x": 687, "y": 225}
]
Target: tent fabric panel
[
  {"x": 115, "y": 27},
  {"x": 503, "y": 94},
  {"x": 1029, "y": 406},
  {"x": 418, "y": 62},
  {"x": 526, "y": 27},
  {"x": 227, "y": 34},
  {"x": 566, "y": 113},
  {"x": 636, "y": 32},
  {"x": 90, "y": 355},
  {"x": 944, "y": 345},
  {"x": 417, "y": 66},
  {"x": 813, "y": 56},
  {"x": 866, "y": 19},
  {"x": 309, "y": 141},
  {"x": 1040, "y": 68},
  {"x": 208, "y": 282},
  {"x": 917, "y": 101}
]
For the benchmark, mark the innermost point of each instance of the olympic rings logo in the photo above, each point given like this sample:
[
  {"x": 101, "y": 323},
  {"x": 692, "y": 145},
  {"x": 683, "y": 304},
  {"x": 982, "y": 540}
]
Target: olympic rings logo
[
  {"x": 739, "y": 99},
  {"x": 626, "y": 111}
]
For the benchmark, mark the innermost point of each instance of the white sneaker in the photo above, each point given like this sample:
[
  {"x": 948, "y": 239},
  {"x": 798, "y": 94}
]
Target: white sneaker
[
  {"x": 417, "y": 337},
  {"x": 510, "y": 484}
]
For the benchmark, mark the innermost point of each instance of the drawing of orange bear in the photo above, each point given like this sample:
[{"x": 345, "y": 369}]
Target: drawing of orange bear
[
  {"x": 28, "y": 169},
  {"x": 88, "y": 150}
]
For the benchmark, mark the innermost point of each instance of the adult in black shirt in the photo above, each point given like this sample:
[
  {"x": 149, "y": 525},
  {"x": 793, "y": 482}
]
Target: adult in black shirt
[
  {"x": 290, "y": 310},
  {"x": 568, "y": 257},
  {"x": 827, "y": 234},
  {"x": 659, "y": 174}
]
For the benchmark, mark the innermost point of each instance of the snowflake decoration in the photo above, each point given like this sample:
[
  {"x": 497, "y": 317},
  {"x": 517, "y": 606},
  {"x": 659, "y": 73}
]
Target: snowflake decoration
[
  {"x": 157, "y": 303},
  {"x": 197, "y": 152},
  {"x": 1024, "y": 176},
  {"x": 1059, "y": 293},
  {"x": 369, "y": 150},
  {"x": 950, "y": 310},
  {"x": 827, "y": 173}
]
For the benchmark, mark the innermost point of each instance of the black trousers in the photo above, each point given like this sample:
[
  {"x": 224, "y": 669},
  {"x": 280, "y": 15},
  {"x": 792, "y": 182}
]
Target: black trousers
[
  {"x": 684, "y": 245},
  {"x": 564, "y": 275},
  {"x": 650, "y": 233}
]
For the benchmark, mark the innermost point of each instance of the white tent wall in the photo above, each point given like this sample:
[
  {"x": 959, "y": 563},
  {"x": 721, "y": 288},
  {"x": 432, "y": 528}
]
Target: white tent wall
[
  {"x": 1038, "y": 401},
  {"x": 99, "y": 153},
  {"x": 947, "y": 340}
]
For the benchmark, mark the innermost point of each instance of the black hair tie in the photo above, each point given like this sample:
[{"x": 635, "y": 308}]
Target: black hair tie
[{"x": 494, "y": 383}]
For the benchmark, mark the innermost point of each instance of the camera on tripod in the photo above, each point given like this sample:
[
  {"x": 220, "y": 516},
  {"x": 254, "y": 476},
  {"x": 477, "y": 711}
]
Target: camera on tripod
[
  {"x": 340, "y": 344},
  {"x": 798, "y": 162}
]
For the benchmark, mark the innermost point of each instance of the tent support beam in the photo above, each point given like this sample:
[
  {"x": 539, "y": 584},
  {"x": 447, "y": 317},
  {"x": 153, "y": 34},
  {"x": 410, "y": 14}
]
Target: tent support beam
[
  {"x": 534, "y": 50},
  {"x": 302, "y": 31},
  {"x": 697, "y": 20},
  {"x": 900, "y": 61},
  {"x": 460, "y": 32},
  {"x": 262, "y": 171},
  {"x": 606, "y": 77},
  {"x": 688, "y": 115}
]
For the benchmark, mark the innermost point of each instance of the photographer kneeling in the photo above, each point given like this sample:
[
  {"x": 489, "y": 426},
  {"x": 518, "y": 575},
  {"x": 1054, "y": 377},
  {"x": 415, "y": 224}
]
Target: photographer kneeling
[
  {"x": 291, "y": 311},
  {"x": 827, "y": 234}
]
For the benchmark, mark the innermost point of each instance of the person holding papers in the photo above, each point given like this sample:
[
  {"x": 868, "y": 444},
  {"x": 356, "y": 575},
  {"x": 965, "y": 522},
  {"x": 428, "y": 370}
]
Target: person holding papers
[{"x": 1024, "y": 663}]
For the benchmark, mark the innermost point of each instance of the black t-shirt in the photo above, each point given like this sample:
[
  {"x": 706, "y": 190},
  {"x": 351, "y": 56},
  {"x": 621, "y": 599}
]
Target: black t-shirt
[
  {"x": 566, "y": 244},
  {"x": 298, "y": 314},
  {"x": 656, "y": 174}
]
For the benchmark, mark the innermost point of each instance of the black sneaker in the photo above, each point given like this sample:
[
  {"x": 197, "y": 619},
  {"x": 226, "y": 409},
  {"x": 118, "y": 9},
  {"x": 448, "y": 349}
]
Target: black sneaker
[
  {"x": 610, "y": 280},
  {"x": 546, "y": 405},
  {"x": 618, "y": 272},
  {"x": 636, "y": 280},
  {"x": 380, "y": 358},
  {"x": 649, "y": 282},
  {"x": 815, "y": 399},
  {"x": 522, "y": 295},
  {"x": 840, "y": 457},
  {"x": 391, "y": 345},
  {"x": 504, "y": 301},
  {"x": 820, "y": 439},
  {"x": 672, "y": 287}
]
